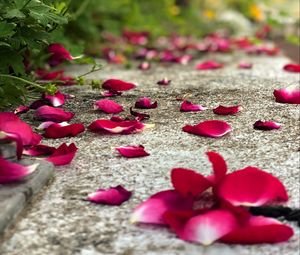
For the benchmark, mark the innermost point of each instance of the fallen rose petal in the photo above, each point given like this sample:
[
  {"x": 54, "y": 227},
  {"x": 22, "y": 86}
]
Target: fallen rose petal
[
  {"x": 11, "y": 172},
  {"x": 56, "y": 100},
  {"x": 208, "y": 65},
  {"x": 219, "y": 167},
  {"x": 152, "y": 210},
  {"x": 47, "y": 124},
  {"x": 58, "y": 54},
  {"x": 294, "y": 68},
  {"x": 139, "y": 116},
  {"x": 21, "y": 109},
  {"x": 111, "y": 93},
  {"x": 209, "y": 128},
  {"x": 259, "y": 230},
  {"x": 14, "y": 137},
  {"x": 164, "y": 81},
  {"x": 117, "y": 119},
  {"x": 266, "y": 125},
  {"x": 145, "y": 103},
  {"x": 63, "y": 155},
  {"x": 132, "y": 151},
  {"x": 287, "y": 95},
  {"x": 183, "y": 60},
  {"x": 112, "y": 196},
  {"x": 58, "y": 131},
  {"x": 144, "y": 66},
  {"x": 237, "y": 188},
  {"x": 188, "y": 106},
  {"x": 245, "y": 65},
  {"x": 39, "y": 150},
  {"x": 227, "y": 110},
  {"x": 108, "y": 106},
  {"x": 208, "y": 227},
  {"x": 53, "y": 114},
  {"x": 115, "y": 85},
  {"x": 38, "y": 103}
]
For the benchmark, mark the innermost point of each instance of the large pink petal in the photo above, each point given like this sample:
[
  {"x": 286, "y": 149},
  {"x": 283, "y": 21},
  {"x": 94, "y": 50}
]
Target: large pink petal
[
  {"x": 56, "y": 100},
  {"x": 152, "y": 210},
  {"x": 219, "y": 167},
  {"x": 208, "y": 227},
  {"x": 145, "y": 103},
  {"x": 54, "y": 114},
  {"x": 132, "y": 151},
  {"x": 259, "y": 230},
  {"x": 188, "y": 106},
  {"x": 227, "y": 110},
  {"x": 266, "y": 125},
  {"x": 58, "y": 131},
  {"x": 15, "y": 138},
  {"x": 294, "y": 68},
  {"x": 39, "y": 150},
  {"x": 11, "y": 172},
  {"x": 117, "y": 85},
  {"x": 209, "y": 128},
  {"x": 208, "y": 65},
  {"x": 112, "y": 196},
  {"x": 108, "y": 106},
  {"x": 188, "y": 182},
  {"x": 63, "y": 155},
  {"x": 251, "y": 187},
  {"x": 287, "y": 95}
]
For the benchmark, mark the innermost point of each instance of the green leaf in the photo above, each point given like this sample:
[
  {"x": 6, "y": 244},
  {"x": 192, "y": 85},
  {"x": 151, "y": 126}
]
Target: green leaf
[
  {"x": 14, "y": 13},
  {"x": 6, "y": 29}
]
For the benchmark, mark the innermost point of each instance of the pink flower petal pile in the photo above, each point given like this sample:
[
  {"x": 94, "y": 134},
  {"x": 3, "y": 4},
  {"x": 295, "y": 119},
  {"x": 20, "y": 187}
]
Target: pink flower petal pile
[
  {"x": 188, "y": 106},
  {"x": 227, "y": 110},
  {"x": 132, "y": 151},
  {"x": 108, "y": 106},
  {"x": 145, "y": 103},
  {"x": 266, "y": 125},
  {"x": 287, "y": 95}
]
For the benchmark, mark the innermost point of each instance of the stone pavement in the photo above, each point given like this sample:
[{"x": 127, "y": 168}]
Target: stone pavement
[{"x": 62, "y": 223}]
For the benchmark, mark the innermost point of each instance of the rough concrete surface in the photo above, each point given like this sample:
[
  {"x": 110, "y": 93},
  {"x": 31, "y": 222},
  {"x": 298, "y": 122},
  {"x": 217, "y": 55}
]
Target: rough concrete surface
[{"x": 62, "y": 223}]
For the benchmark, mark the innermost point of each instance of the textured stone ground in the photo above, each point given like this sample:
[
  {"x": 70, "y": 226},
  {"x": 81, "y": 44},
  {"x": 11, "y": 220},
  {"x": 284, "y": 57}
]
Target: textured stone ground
[{"x": 60, "y": 222}]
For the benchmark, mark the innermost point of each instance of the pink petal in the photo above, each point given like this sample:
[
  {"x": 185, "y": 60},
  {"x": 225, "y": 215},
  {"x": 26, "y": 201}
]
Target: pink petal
[
  {"x": 21, "y": 109},
  {"x": 139, "y": 116},
  {"x": 117, "y": 119},
  {"x": 117, "y": 127},
  {"x": 58, "y": 54},
  {"x": 188, "y": 106},
  {"x": 183, "y": 60},
  {"x": 115, "y": 85},
  {"x": 245, "y": 65},
  {"x": 47, "y": 124},
  {"x": 63, "y": 155},
  {"x": 266, "y": 125},
  {"x": 208, "y": 65},
  {"x": 188, "y": 182},
  {"x": 219, "y": 167},
  {"x": 38, "y": 103},
  {"x": 164, "y": 81},
  {"x": 57, "y": 131},
  {"x": 287, "y": 95},
  {"x": 132, "y": 151},
  {"x": 152, "y": 210},
  {"x": 39, "y": 150},
  {"x": 227, "y": 110},
  {"x": 54, "y": 114},
  {"x": 144, "y": 66},
  {"x": 111, "y": 93},
  {"x": 15, "y": 138},
  {"x": 209, "y": 128},
  {"x": 46, "y": 75},
  {"x": 11, "y": 172},
  {"x": 208, "y": 227},
  {"x": 259, "y": 230},
  {"x": 294, "y": 68},
  {"x": 112, "y": 196},
  {"x": 108, "y": 106},
  {"x": 237, "y": 188},
  {"x": 145, "y": 103},
  {"x": 56, "y": 100}
]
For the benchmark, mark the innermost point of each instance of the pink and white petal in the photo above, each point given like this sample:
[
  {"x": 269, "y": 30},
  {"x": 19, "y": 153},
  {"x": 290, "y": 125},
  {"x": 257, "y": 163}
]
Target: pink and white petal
[
  {"x": 56, "y": 100},
  {"x": 287, "y": 95},
  {"x": 227, "y": 110},
  {"x": 63, "y": 155},
  {"x": 108, "y": 106},
  {"x": 266, "y": 125},
  {"x": 47, "y": 124},
  {"x": 21, "y": 109},
  {"x": 132, "y": 151},
  {"x": 188, "y": 106}
]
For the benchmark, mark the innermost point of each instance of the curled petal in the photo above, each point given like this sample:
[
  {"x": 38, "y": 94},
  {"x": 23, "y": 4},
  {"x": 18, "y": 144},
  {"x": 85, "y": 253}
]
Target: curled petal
[
  {"x": 21, "y": 109},
  {"x": 259, "y": 229},
  {"x": 39, "y": 150},
  {"x": 11, "y": 172},
  {"x": 145, "y": 103},
  {"x": 108, "y": 106},
  {"x": 132, "y": 151},
  {"x": 227, "y": 110},
  {"x": 188, "y": 106},
  {"x": 287, "y": 95},
  {"x": 209, "y": 128},
  {"x": 152, "y": 210},
  {"x": 15, "y": 138},
  {"x": 53, "y": 114},
  {"x": 266, "y": 125},
  {"x": 294, "y": 68},
  {"x": 63, "y": 155},
  {"x": 237, "y": 188},
  {"x": 208, "y": 65},
  {"x": 139, "y": 116},
  {"x": 164, "y": 81},
  {"x": 117, "y": 85},
  {"x": 58, "y": 131},
  {"x": 219, "y": 167},
  {"x": 112, "y": 196},
  {"x": 56, "y": 100}
]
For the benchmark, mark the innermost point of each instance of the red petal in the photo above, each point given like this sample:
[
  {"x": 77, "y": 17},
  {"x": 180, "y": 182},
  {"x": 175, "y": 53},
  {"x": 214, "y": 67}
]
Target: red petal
[
  {"x": 208, "y": 227},
  {"x": 111, "y": 93},
  {"x": 58, "y": 131},
  {"x": 112, "y": 196},
  {"x": 108, "y": 106},
  {"x": 188, "y": 106},
  {"x": 209, "y": 65},
  {"x": 11, "y": 172},
  {"x": 144, "y": 65},
  {"x": 15, "y": 138},
  {"x": 219, "y": 166},
  {"x": 21, "y": 109},
  {"x": 139, "y": 116},
  {"x": 237, "y": 188},
  {"x": 153, "y": 209},
  {"x": 47, "y": 124},
  {"x": 188, "y": 182},
  {"x": 266, "y": 125},
  {"x": 132, "y": 151},
  {"x": 56, "y": 100},
  {"x": 209, "y": 128},
  {"x": 294, "y": 68},
  {"x": 164, "y": 81},
  {"x": 55, "y": 114},
  {"x": 39, "y": 150},
  {"x": 227, "y": 110},
  {"x": 259, "y": 230},
  {"x": 117, "y": 127},
  {"x": 58, "y": 54},
  {"x": 287, "y": 95},
  {"x": 117, "y": 85},
  {"x": 63, "y": 155},
  {"x": 145, "y": 103},
  {"x": 244, "y": 65}
]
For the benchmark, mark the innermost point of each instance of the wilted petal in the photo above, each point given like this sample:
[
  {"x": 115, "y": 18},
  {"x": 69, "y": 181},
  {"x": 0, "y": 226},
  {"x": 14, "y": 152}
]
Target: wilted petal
[
  {"x": 226, "y": 110},
  {"x": 112, "y": 196},
  {"x": 63, "y": 155},
  {"x": 145, "y": 103},
  {"x": 132, "y": 151},
  {"x": 58, "y": 131},
  {"x": 188, "y": 106},
  {"x": 237, "y": 188},
  {"x": 287, "y": 95},
  {"x": 209, "y": 128},
  {"x": 21, "y": 109},
  {"x": 11, "y": 172},
  {"x": 164, "y": 81},
  {"x": 39, "y": 150},
  {"x": 208, "y": 65},
  {"x": 108, "y": 106},
  {"x": 115, "y": 85},
  {"x": 56, "y": 100},
  {"x": 294, "y": 68},
  {"x": 259, "y": 230},
  {"x": 152, "y": 210},
  {"x": 219, "y": 167},
  {"x": 54, "y": 114},
  {"x": 266, "y": 125},
  {"x": 139, "y": 116}
]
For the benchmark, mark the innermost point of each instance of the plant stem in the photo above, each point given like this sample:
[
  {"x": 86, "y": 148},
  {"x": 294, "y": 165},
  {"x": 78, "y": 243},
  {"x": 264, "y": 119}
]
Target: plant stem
[
  {"x": 23, "y": 80},
  {"x": 93, "y": 70}
]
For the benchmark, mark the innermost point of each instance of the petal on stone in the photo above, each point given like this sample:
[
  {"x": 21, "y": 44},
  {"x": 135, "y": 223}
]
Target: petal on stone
[
  {"x": 118, "y": 85},
  {"x": 15, "y": 138},
  {"x": 132, "y": 151},
  {"x": 145, "y": 103},
  {"x": 58, "y": 131},
  {"x": 164, "y": 82},
  {"x": 39, "y": 150},
  {"x": 21, "y": 109},
  {"x": 226, "y": 110},
  {"x": 56, "y": 100},
  {"x": 63, "y": 155},
  {"x": 53, "y": 114},
  {"x": 139, "y": 116},
  {"x": 188, "y": 106},
  {"x": 208, "y": 65},
  {"x": 266, "y": 125},
  {"x": 294, "y": 68},
  {"x": 108, "y": 106},
  {"x": 287, "y": 95}
]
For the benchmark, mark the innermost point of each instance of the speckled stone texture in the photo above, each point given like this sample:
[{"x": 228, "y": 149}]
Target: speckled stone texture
[{"x": 62, "y": 223}]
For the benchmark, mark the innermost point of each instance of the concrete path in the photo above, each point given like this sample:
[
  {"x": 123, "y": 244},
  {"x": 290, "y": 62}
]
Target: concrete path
[{"x": 62, "y": 223}]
